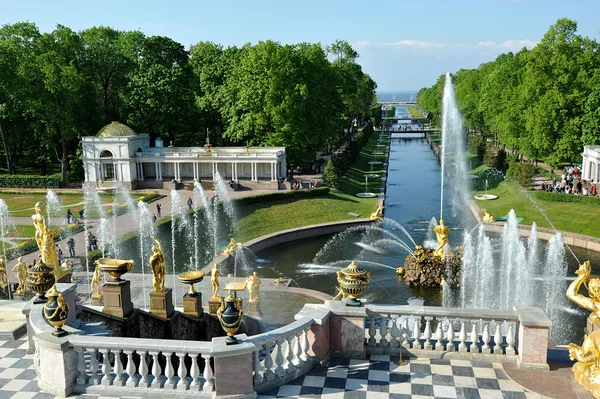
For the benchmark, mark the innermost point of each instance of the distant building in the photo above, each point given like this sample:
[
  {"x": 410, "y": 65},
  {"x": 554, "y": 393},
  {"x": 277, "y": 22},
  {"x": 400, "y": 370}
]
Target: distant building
[
  {"x": 591, "y": 160},
  {"x": 118, "y": 154}
]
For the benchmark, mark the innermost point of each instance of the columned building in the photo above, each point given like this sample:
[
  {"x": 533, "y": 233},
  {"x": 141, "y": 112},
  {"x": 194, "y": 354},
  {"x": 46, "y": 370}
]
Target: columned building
[
  {"x": 591, "y": 160},
  {"x": 118, "y": 154}
]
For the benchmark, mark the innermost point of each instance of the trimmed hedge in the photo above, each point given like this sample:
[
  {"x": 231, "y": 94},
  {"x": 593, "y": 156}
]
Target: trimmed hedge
[
  {"x": 559, "y": 197},
  {"x": 283, "y": 195},
  {"x": 339, "y": 165},
  {"x": 33, "y": 181}
]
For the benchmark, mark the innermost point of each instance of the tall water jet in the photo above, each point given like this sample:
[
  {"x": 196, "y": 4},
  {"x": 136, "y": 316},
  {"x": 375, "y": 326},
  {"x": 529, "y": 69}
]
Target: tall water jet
[
  {"x": 178, "y": 224},
  {"x": 453, "y": 163},
  {"x": 147, "y": 231},
  {"x": 209, "y": 216},
  {"x": 4, "y": 224},
  {"x": 223, "y": 193},
  {"x": 52, "y": 206}
]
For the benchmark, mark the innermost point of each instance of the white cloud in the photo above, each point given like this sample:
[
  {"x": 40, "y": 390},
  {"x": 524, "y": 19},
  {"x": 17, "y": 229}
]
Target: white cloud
[{"x": 509, "y": 45}]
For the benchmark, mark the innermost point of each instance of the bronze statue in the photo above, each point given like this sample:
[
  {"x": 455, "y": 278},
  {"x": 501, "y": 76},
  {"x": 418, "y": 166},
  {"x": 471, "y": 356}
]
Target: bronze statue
[
  {"x": 44, "y": 237},
  {"x": 95, "y": 284},
  {"x": 441, "y": 232},
  {"x": 587, "y": 370},
  {"x": 378, "y": 214},
  {"x": 214, "y": 279},
  {"x": 3, "y": 275},
  {"x": 21, "y": 270},
  {"x": 487, "y": 217},
  {"x": 230, "y": 250},
  {"x": 253, "y": 287},
  {"x": 159, "y": 266}
]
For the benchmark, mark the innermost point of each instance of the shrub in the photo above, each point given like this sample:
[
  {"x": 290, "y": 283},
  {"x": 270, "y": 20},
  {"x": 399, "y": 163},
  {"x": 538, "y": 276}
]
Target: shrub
[
  {"x": 477, "y": 146},
  {"x": 495, "y": 158},
  {"x": 560, "y": 197},
  {"x": 521, "y": 172},
  {"x": 282, "y": 195},
  {"x": 331, "y": 175},
  {"x": 492, "y": 176},
  {"x": 22, "y": 181}
]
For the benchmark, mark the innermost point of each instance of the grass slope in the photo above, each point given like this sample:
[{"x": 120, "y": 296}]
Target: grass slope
[{"x": 354, "y": 180}]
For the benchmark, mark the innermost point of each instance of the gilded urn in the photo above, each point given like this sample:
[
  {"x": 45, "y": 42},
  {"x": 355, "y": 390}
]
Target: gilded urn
[
  {"x": 191, "y": 277},
  {"x": 56, "y": 311},
  {"x": 230, "y": 316},
  {"x": 39, "y": 280},
  {"x": 353, "y": 281},
  {"x": 115, "y": 268}
]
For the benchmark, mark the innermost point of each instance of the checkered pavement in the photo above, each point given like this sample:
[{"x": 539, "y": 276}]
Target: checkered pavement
[
  {"x": 381, "y": 377},
  {"x": 378, "y": 377}
]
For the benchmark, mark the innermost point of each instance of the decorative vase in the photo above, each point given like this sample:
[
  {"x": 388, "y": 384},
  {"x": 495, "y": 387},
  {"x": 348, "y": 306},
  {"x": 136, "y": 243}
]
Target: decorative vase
[
  {"x": 56, "y": 311},
  {"x": 39, "y": 280},
  {"x": 115, "y": 268},
  {"x": 353, "y": 282},
  {"x": 191, "y": 277},
  {"x": 230, "y": 316}
]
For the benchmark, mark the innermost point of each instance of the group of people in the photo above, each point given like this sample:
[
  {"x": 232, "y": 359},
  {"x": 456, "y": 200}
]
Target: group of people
[
  {"x": 570, "y": 183},
  {"x": 92, "y": 242},
  {"x": 72, "y": 219},
  {"x": 297, "y": 185}
]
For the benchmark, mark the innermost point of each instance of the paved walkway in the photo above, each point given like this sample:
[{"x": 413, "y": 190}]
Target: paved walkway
[{"x": 378, "y": 377}]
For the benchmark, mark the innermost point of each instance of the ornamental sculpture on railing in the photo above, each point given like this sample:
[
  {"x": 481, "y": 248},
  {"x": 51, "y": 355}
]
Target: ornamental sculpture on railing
[
  {"x": 587, "y": 368},
  {"x": 353, "y": 281},
  {"x": 158, "y": 266}
]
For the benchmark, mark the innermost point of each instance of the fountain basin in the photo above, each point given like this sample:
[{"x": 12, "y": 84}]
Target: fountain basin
[
  {"x": 484, "y": 197},
  {"x": 366, "y": 195},
  {"x": 371, "y": 175}
]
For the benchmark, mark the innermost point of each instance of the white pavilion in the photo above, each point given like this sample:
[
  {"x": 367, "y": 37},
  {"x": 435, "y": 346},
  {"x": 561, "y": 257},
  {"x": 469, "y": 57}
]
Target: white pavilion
[
  {"x": 118, "y": 154},
  {"x": 591, "y": 160}
]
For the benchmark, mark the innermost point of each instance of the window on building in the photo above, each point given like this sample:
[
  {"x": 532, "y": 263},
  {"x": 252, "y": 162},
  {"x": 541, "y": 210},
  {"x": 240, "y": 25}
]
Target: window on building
[{"x": 109, "y": 167}]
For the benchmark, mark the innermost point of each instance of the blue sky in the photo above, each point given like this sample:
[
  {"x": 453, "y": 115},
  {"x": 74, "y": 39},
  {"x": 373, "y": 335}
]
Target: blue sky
[{"x": 403, "y": 45}]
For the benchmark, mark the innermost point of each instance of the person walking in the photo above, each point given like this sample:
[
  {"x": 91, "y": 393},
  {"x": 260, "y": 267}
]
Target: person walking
[
  {"x": 94, "y": 243},
  {"x": 190, "y": 203},
  {"x": 81, "y": 214},
  {"x": 89, "y": 242},
  {"x": 158, "y": 210},
  {"x": 71, "y": 246},
  {"x": 69, "y": 216}
]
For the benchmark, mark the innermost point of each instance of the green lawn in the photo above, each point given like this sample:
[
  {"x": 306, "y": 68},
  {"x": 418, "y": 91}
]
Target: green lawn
[
  {"x": 23, "y": 204},
  {"x": 567, "y": 216},
  {"x": 354, "y": 180},
  {"x": 269, "y": 217},
  {"x": 414, "y": 112}
]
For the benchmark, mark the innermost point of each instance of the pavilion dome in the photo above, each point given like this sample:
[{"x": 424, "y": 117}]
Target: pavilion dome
[{"x": 115, "y": 129}]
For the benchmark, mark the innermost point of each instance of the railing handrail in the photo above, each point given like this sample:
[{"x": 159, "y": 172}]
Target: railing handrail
[
  {"x": 294, "y": 327},
  {"x": 151, "y": 345},
  {"x": 436, "y": 311}
]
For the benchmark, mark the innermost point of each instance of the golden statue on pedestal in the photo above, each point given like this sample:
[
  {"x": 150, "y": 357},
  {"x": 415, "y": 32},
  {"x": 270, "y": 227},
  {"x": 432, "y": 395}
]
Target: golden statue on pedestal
[
  {"x": 587, "y": 368},
  {"x": 253, "y": 284},
  {"x": 230, "y": 250},
  {"x": 158, "y": 266},
  {"x": 214, "y": 279},
  {"x": 487, "y": 217},
  {"x": 95, "y": 284},
  {"x": 21, "y": 270},
  {"x": 441, "y": 231},
  {"x": 3, "y": 275},
  {"x": 378, "y": 214},
  {"x": 44, "y": 237}
]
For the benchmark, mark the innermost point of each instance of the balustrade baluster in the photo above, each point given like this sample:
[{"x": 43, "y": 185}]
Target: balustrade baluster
[
  {"x": 405, "y": 333},
  {"x": 305, "y": 346},
  {"x": 268, "y": 375},
  {"x": 394, "y": 342},
  {"x": 156, "y": 370},
  {"x": 416, "y": 335},
  {"x": 427, "y": 334},
  {"x": 94, "y": 378},
  {"x": 510, "y": 339},
  {"x": 439, "y": 336},
  {"x": 297, "y": 349},
  {"x": 81, "y": 375},
  {"x": 450, "y": 347},
  {"x": 182, "y": 373},
  {"x": 169, "y": 372},
  {"x": 486, "y": 338},
  {"x": 256, "y": 367},
  {"x": 498, "y": 340},
  {"x": 194, "y": 373},
  {"x": 208, "y": 375},
  {"x": 474, "y": 337},
  {"x": 118, "y": 368},
  {"x": 131, "y": 379},
  {"x": 279, "y": 359},
  {"x": 106, "y": 380},
  {"x": 462, "y": 347},
  {"x": 383, "y": 342},
  {"x": 289, "y": 354},
  {"x": 372, "y": 331},
  {"x": 144, "y": 383}
]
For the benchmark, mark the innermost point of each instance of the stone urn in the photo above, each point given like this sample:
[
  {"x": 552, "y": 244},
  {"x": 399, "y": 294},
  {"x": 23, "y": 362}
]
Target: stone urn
[
  {"x": 56, "y": 311},
  {"x": 353, "y": 281},
  {"x": 39, "y": 280},
  {"x": 230, "y": 316}
]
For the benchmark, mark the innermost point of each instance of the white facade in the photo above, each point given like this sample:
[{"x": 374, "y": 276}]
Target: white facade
[
  {"x": 591, "y": 160},
  {"x": 131, "y": 160}
]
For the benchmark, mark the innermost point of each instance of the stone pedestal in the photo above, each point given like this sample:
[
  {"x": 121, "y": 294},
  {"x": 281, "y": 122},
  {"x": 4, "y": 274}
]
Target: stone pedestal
[
  {"x": 96, "y": 299},
  {"x": 214, "y": 303},
  {"x": 533, "y": 338},
  {"x": 254, "y": 310},
  {"x": 347, "y": 330},
  {"x": 192, "y": 306},
  {"x": 117, "y": 299},
  {"x": 161, "y": 303}
]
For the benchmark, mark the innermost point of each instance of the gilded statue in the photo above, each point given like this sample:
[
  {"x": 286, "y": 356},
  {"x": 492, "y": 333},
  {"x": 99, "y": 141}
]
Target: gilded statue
[
  {"x": 378, "y": 214},
  {"x": 95, "y": 284},
  {"x": 21, "y": 270},
  {"x": 487, "y": 217},
  {"x": 159, "y": 266},
  {"x": 230, "y": 250},
  {"x": 587, "y": 368},
  {"x": 253, "y": 284},
  {"x": 44, "y": 237},
  {"x": 3, "y": 275},
  {"x": 214, "y": 279},
  {"x": 441, "y": 231}
]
